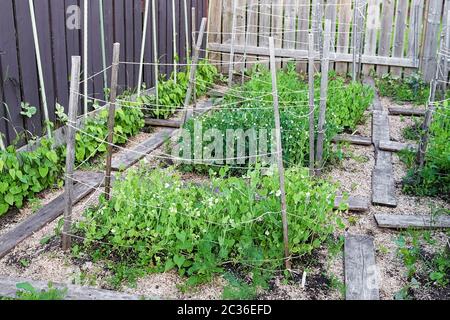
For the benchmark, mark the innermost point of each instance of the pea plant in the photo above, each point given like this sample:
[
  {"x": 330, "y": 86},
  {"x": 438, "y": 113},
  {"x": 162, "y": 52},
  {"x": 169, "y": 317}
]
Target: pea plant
[{"x": 201, "y": 229}]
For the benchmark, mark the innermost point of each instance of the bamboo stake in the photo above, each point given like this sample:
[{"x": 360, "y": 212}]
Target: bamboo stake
[
  {"x": 233, "y": 41},
  {"x": 354, "y": 42},
  {"x": 70, "y": 158},
  {"x": 175, "y": 51},
  {"x": 102, "y": 36},
  {"x": 323, "y": 97},
  {"x": 144, "y": 38},
  {"x": 2, "y": 144},
  {"x": 245, "y": 45},
  {"x": 111, "y": 119},
  {"x": 85, "y": 57},
  {"x": 155, "y": 53},
  {"x": 447, "y": 48},
  {"x": 186, "y": 28},
  {"x": 312, "y": 137},
  {"x": 40, "y": 71},
  {"x": 276, "y": 111},
  {"x": 193, "y": 70},
  {"x": 207, "y": 34},
  {"x": 362, "y": 38},
  {"x": 194, "y": 31}
]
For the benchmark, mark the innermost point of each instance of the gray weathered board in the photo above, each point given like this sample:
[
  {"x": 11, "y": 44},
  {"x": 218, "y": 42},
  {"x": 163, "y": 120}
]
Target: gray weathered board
[
  {"x": 380, "y": 127},
  {"x": 412, "y": 221},
  {"x": 355, "y": 203},
  {"x": 352, "y": 139},
  {"x": 383, "y": 185},
  {"x": 361, "y": 275},
  {"x": 376, "y": 104},
  {"x": 125, "y": 160},
  {"x": 47, "y": 214},
  {"x": 394, "y": 146},
  {"x": 398, "y": 111},
  {"x": 163, "y": 123},
  {"x": 8, "y": 288}
]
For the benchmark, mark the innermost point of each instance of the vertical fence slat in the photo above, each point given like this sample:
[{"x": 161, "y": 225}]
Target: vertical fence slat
[
  {"x": 415, "y": 26},
  {"x": 95, "y": 49},
  {"x": 372, "y": 29},
  {"x": 278, "y": 30},
  {"x": 384, "y": 50},
  {"x": 302, "y": 34},
  {"x": 129, "y": 43},
  {"x": 138, "y": 23},
  {"x": 240, "y": 28},
  {"x": 430, "y": 44},
  {"x": 119, "y": 36},
  {"x": 343, "y": 38},
  {"x": 399, "y": 34},
  {"x": 227, "y": 18},
  {"x": 330, "y": 14},
  {"x": 290, "y": 22},
  {"x": 27, "y": 66},
  {"x": 10, "y": 70},
  {"x": 214, "y": 28},
  {"x": 73, "y": 35}
]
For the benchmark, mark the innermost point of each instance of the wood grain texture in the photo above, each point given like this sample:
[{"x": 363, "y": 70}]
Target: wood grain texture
[
  {"x": 343, "y": 39},
  {"x": 352, "y": 139},
  {"x": 399, "y": 111},
  {"x": 372, "y": 29},
  {"x": 361, "y": 274},
  {"x": 8, "y": 288},
  {"x": 387, "y": 16},
  {"x": 394, "y": 146},
  {"x": 412, "y": 221},
  {"x": 47, "y": 214},
  {"x": 354, "y": 203},
  {"x": 401, "y": 16}
]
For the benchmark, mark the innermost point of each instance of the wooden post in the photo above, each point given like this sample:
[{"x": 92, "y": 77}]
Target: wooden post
[
  {"x": 312, "y": 127},
  {"x": 155, "y": 53},
  {"x": 197, "y": 47},
  {"x": 70, "y": 158},
  {"x": 429, "y": 114},
  {"x": 194, "y": 31},
  {"x": 249, "y": 20},
  {"x": 273, "y": 68},
  {"x": 175, "y": 51},
  {"x": 233, "y": 41},
  {"x": 362, "y": 38},
  {"x": 144, "y": 37},
  {"x": 430, "y": 43},
  {"x": 85, "y": 56},
  {"x": 111, "y": 118},
  {"x": 40, "y": 71},
  {"x": 323, "y": 97},
  {"x": 447, "y": 52}
]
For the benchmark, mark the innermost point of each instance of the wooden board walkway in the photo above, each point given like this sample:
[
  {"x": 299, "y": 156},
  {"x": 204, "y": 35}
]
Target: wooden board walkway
[
  {"x": 398, "y": 111},
  {"x": 352, "y": 139},
  {"x": 163, "y": 123},
  {"x": 124, "y": 161},
  {"x": 412, "y": 221},
  {"x": 8, "y": 288},
  {"x": 394, "y": 146},
  {"x": 361, "y": 275},
  {"x": 355, "y": 203},
  {"x": 47, "y": 214}
]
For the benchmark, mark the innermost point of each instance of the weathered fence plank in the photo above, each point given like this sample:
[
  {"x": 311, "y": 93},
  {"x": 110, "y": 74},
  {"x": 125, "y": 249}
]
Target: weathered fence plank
[
  {"x": 387, "y": 16},
  {"x": 412, "y": 221}
]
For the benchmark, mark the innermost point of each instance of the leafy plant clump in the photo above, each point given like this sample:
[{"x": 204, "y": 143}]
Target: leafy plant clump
[
  {"x": 24, "y": 174},
  {"x": 28, "y": 292},
  {"x": 171, "y": 93},
  {"x": 250, "y": 107},
  {"x": 410, "y": 89},
  {"x": 434, "y": 178},
  {"x": 157, "y": 222}
]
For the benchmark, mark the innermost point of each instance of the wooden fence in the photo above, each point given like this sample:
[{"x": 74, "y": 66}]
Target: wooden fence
[
  {"x": 396, "y": 36},
  {"x": 123, "y": 22}
]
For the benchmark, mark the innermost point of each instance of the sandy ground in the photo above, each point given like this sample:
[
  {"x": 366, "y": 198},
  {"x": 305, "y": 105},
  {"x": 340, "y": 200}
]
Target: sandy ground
[{"x": 44, "y": 260}]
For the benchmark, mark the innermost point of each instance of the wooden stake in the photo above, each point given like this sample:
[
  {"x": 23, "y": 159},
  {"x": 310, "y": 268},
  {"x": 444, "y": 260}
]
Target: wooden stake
[
  {"x": 361, "y": 38},
  {"x": 276, "y": 111},
  {"x": 155, "y": 53},
  {"x": 175, "y": 51},
  {"x": 233, "y": 41},
  {"x": 186, "y": 28},
  {"x": 111, "y": 118},
  {"x": 323, "y": 96},
  {"x": 144, "y": 37},
  {"x": 249, "y": 20},
  {"x": 85, "y": 56},
  {"x": 312, "y": 127},
  {"x": 2, "y": 144},
  {"x": 40, "y": 71},
  {"x": 70, "y": 158},
  {"x": 190, "y": 89}
]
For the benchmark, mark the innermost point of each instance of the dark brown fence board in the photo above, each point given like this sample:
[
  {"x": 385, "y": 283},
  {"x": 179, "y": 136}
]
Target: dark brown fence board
[
  {"x": 129, "y": 43},
  {"x": 28, "y": 68},
  {"x": 95, "y": 49},
  {"x": 10, "y": 69},
  {"x": 138, "y": 15},
  {"x": 119, "y": 36}
]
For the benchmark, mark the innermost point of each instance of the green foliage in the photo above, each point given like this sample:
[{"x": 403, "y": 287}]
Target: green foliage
[
  {"x": 27, "y": 110},
  {"x": 410, "y": 89},
  {"x": 28, "y": 292},
  {"x": 434, "y": 178},
  {"x": 251, "y": 107},
  {"x": 171, "y": 94},
  {"x": 156, "y": 221},
  {"x": 129, "y": 120},
  {"x": 24, "y": 174}
]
